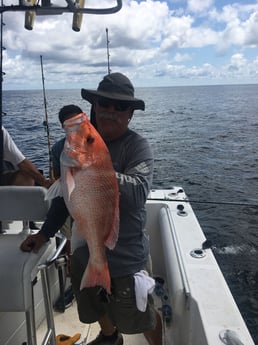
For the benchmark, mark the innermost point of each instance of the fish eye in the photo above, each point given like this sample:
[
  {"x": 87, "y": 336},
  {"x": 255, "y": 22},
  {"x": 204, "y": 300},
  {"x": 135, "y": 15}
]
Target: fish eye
[{"x": 90, "y": 139}]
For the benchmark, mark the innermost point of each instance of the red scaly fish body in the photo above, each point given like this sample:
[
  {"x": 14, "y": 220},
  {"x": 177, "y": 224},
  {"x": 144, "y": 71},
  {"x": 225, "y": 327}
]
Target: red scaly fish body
[{"x": 91, "y": 194}]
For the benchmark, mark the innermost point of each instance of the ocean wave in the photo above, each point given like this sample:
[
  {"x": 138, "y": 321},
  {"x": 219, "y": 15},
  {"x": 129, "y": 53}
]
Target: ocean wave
[{"x": 236, "y": 249}]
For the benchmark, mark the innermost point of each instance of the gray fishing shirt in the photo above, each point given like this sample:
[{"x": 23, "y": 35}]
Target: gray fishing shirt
[{"x": 132, "y": 160}]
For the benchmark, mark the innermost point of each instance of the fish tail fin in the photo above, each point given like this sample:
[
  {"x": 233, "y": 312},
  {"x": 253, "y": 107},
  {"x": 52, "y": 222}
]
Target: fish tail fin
[{"x": 96, "y": 275}]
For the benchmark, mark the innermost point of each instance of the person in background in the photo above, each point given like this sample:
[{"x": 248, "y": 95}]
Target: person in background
[
  {"x": 18, "y": 170},
  {"x": 113, "y": 105},
  {"x": 65, "y": 113}
]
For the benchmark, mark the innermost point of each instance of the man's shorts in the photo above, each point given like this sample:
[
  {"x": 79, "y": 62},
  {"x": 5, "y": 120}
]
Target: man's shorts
[{"x": 93, "y": 303}]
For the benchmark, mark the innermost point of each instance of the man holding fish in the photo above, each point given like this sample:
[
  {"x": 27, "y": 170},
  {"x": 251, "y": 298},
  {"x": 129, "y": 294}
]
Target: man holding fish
[{"x": 106, "y": 175}]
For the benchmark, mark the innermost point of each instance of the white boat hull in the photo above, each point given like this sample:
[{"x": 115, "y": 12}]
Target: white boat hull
[{"x": 203, "y": 309}]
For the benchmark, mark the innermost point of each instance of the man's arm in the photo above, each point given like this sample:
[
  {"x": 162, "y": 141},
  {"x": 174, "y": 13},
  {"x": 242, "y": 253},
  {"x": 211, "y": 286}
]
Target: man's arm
[
  {"x": 13, "y": 155},
  {"x": 28, "y": 168},
  {"x": 136, "y": 179}
]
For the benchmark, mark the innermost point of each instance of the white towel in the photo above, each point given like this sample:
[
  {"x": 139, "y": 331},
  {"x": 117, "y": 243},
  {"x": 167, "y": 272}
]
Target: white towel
[{"x": 144, "y": 285}]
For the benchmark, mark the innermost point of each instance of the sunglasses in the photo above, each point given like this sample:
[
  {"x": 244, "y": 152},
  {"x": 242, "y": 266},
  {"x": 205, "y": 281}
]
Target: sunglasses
[{"x": 118, "y": 105}]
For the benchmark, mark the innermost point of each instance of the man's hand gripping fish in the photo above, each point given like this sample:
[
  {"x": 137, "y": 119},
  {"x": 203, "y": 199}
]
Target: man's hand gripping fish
[{"x": 90, "y": 190}]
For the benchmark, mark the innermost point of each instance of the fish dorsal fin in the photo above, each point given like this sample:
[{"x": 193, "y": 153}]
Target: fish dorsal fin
[{"x": 54, "y": 190}]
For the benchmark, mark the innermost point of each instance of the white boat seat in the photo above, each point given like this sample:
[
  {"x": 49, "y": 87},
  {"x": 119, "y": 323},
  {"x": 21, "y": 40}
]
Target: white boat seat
[
  {"x": 19, "y": 269},
  {"x": 23, "y": 203}
]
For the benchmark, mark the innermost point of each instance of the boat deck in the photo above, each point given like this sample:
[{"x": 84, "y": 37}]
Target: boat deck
[{"x": 68, "y": 323}]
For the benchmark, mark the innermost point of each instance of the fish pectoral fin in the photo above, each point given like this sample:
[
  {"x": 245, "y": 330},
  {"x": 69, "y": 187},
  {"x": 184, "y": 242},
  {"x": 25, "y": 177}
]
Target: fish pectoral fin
[
  {"x": 69, "y": 182},
  {"x": 111, "y": 240},
  {"x": 54, "y": 190}
]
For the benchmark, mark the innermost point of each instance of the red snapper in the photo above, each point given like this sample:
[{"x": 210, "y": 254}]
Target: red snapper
[{"x": 90, "y": 190}]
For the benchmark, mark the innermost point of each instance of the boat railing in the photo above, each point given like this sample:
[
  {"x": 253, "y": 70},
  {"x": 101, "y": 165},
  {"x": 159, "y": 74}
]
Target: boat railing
[
  {"x": 50, "y": 336},
  {"x": 170, "y": 240}
]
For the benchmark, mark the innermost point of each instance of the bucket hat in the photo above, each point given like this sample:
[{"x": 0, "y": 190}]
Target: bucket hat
[{"x": 114, "y": 86}]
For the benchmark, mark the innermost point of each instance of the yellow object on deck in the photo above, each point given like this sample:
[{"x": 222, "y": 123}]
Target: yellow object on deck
[{"x": 63, "y": 339}]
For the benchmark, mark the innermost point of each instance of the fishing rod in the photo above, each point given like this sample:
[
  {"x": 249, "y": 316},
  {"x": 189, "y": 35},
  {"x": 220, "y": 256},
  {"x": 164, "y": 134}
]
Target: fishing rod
[
  {"x": 108, "y": 55},
  {"x": 206, "y": 202},
  {"x": 45, "y": 123}
]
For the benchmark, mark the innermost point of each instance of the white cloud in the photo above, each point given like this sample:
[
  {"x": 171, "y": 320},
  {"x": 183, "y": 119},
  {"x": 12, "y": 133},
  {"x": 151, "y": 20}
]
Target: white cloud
[
  {"x": 241, "y": 26},
  {"x": 176, "y": 31},
  {"x": 181, "y": 57},
  {"x": 251, "y": 29},
  {"x": 145, "y": 37},
  {"x": 199, "y": 5},
  {"x": 238, "y": 60}
]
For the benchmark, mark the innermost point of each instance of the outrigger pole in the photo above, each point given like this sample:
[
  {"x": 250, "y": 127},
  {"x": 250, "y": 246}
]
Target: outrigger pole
[{"x": 45, "y": 123}]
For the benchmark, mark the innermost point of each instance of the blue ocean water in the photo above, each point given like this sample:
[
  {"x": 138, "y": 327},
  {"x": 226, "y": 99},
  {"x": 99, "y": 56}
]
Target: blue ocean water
[{"x": 204, "y": 139}]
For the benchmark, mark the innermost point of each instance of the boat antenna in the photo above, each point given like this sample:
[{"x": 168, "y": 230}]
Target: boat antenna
[
  {"x": 108, "y": 55},
  {"x": 45, "y": 122}
]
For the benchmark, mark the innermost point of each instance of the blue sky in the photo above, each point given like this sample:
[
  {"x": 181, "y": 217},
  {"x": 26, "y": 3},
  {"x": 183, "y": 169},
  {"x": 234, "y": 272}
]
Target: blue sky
[{"x": 155, "y": 43}]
